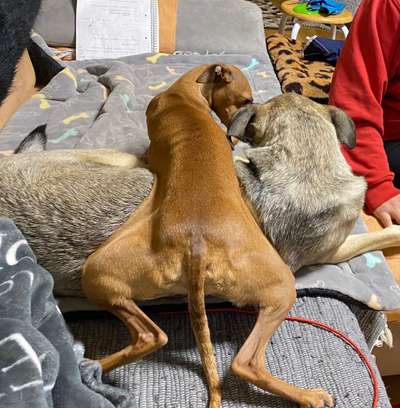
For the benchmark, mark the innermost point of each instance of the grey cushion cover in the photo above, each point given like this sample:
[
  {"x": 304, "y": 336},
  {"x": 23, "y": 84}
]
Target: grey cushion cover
[
  {"x": 56, "y": 22},
  {"x": 232, "y": 26},
  {"x": 300, "y": 354},
  {"x": 215, "y": 26}
]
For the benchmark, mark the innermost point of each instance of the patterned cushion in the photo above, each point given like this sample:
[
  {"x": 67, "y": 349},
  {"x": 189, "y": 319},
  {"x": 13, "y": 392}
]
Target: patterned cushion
[{"x": 295, "y": 74}]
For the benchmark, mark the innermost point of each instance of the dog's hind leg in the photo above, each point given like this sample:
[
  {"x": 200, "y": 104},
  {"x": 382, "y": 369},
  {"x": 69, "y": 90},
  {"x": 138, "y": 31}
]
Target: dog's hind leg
[
  {"x": 147, "y": 337},
  {"x": 276, "y": 300},
  {"x": 105, "y": 285},
  {"x": 358, "y": 244}
]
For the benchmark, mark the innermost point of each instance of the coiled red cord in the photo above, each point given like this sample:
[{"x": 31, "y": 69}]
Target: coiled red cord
[{"x": 315, "y": 323}]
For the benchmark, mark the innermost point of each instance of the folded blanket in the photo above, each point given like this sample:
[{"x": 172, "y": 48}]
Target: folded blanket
[
  {"x": 40, "y": 367},
  {"x": 95, "y": 104}
]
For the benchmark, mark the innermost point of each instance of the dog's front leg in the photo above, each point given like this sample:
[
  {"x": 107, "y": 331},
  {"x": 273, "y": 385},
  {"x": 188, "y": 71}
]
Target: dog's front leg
[
  {"x": 109, "y": 157},
  {"x": 358, "y": 244},
  {"x": 249, "y": 183}
]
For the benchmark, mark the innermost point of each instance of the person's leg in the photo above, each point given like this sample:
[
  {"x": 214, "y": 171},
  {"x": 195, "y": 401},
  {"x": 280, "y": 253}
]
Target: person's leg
[
  {"x": 392, "y": 149},
  {"x": 392, "y": 255}
]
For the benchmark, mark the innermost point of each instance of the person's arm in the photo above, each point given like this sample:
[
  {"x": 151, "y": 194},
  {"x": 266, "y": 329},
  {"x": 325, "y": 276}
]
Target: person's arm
[{"x": 360, "y": 82}]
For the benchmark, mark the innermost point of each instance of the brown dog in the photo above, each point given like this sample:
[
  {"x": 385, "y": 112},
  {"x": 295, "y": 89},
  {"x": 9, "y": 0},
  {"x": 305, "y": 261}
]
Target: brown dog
[{"x": 195, "y": 235}]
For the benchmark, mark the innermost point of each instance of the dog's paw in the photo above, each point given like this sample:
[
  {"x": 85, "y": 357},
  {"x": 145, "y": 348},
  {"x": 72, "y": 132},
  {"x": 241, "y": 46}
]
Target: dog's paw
[
  {"x": 241, "y": 159},
  {"x": 316, "y": 399},
  {"x": 394, "y": 231}
]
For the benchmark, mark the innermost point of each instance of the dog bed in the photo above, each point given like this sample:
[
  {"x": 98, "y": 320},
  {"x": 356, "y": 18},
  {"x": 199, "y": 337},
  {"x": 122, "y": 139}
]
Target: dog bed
[
  {"x": 79, "y": 113},
  {"x": 295, "y": 74},
  {"x": 101, "y": 104},
  {"x": 300, "y": 354}
]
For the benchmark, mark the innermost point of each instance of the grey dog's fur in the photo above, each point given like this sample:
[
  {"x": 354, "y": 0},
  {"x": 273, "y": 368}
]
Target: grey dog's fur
[
  {"x": 305, "y": 194},
  {"x": 66, "y": 206}
]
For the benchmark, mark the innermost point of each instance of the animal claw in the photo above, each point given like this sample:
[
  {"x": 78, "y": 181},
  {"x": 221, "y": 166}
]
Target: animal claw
[{"x": 317, "y": 399}]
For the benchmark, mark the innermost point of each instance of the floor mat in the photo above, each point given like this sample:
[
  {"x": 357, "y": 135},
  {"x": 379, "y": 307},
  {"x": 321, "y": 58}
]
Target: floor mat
[
  {"x": 300, "y": 354},
  {"x": 271, "y": 14}
]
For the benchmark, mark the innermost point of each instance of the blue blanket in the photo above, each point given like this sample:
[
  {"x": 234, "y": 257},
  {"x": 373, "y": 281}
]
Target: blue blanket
[{"x": 40, "y": 366}]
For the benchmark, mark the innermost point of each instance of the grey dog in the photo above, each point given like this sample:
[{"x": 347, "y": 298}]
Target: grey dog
[
  {"x": 68, "y": 202},
  {"x": 305, "y": 194}
]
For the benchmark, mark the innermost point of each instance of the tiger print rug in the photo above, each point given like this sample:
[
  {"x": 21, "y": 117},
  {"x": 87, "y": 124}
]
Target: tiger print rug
[{"x": 296, "y": 74}]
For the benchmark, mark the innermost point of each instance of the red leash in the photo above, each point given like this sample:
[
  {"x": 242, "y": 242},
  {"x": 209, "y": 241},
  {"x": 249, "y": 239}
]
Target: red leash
[
  {"x": 351, "y": 343},
  {"x": 323, "y": 326}
]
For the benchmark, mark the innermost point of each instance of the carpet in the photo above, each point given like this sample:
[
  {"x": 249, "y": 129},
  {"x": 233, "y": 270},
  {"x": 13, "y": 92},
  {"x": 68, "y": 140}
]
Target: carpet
[
  {"x": 295, "y": 74},
  {"x": 271, "y": 14},
  {"x": 300, "y": 354}
]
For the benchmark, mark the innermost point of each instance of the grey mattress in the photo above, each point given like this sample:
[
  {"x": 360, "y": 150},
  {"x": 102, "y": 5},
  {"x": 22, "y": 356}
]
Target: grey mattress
[{"x": 300, "y": 354}]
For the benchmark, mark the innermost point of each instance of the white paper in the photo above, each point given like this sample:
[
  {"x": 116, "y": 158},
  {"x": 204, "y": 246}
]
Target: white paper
[{"x": 115, "y": 28}]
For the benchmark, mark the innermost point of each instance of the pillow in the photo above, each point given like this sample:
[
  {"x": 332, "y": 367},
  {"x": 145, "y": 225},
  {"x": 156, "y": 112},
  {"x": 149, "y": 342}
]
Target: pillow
[
  {"x": 56, "y": 22},
  {"x": 213, "y": 26}
]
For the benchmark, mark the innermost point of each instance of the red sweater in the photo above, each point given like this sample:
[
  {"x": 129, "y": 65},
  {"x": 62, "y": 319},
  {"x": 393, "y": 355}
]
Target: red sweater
[{"x": 366, "y": 85}]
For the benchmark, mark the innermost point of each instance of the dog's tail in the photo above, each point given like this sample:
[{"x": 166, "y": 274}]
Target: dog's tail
[
  {"x": 198, "y": 318},
  {"x": 36, "y": 141}
]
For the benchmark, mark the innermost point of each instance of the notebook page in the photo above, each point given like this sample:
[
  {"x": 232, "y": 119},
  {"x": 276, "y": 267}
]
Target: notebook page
[{"x": 116, "y": 28}]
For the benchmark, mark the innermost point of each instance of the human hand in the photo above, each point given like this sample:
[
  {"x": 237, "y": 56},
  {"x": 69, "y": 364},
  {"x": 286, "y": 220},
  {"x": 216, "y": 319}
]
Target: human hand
[{"x": 389, "y": 211}]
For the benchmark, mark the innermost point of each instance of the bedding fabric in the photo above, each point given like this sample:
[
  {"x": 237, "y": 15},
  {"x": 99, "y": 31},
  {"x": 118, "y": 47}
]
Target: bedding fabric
[
  {"x": 300, "y": 354},
  {"x": 95, "y": 104},
  {"x": 296, "y": 74},
  {"x": 101, "y": 104},
  {"x": 40, "y": 366}
]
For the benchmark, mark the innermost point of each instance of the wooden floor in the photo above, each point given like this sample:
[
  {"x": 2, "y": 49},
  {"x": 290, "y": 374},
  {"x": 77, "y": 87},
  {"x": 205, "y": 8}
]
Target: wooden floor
[
  {"x": 393, "y": 382},
  {"x": 393, "y": 388}
]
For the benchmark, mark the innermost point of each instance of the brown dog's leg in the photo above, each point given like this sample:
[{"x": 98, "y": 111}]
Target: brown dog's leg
[
  {"x": 358, "y": 244},
  {"x": 249, "y": 364},
  {"x": 146, "y": 336}
]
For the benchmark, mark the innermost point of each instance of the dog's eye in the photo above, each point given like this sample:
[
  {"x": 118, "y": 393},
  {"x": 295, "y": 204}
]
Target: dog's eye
[{"x": 248, "y": 101}]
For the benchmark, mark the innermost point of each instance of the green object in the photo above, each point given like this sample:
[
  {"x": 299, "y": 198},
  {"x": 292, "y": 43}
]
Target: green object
[{"x": 302, "y": 9}]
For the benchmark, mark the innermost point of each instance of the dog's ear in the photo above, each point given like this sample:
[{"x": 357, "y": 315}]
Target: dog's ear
[
  {"x": 241, "y": 122},
  {"x": 345, "y": 128},
  {"x": 215, "y": 73},
  {"x": 35, "y": 142}
]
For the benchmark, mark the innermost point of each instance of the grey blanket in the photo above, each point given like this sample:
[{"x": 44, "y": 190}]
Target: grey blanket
[
  {"x": 300, "y": 354},
  {"x": 96, "y": 104},
  {"x": 40, "y": 366}
]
